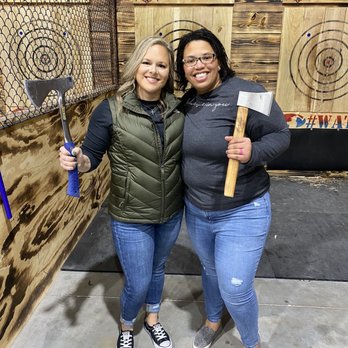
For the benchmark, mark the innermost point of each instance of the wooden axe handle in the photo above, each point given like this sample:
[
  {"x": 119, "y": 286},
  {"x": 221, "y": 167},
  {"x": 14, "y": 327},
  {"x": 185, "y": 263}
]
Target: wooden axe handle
[{"x": 232, "y": 167}]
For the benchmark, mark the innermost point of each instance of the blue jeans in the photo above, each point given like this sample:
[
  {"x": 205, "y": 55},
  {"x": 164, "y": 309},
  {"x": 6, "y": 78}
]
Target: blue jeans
[
  {"x": 142, "y": 250},
  {"x": 229, "y": 244}
]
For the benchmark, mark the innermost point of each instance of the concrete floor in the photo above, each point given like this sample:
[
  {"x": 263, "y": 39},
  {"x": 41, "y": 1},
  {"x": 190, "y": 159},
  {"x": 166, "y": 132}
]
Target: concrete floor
[{"x": 81, "y": 310}]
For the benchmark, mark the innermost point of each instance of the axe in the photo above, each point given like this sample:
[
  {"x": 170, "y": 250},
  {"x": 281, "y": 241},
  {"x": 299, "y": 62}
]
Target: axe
[
  {"x": 260, "y": 102},
  {"x": 37, "y": 91},
  {"x": 5, "y": 199}
]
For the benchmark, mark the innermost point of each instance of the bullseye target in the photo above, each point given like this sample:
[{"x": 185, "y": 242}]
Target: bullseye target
[
  {"x": 173, "y": 35},
  {"x": 173, "y": 22},
  {"x": 44, "y": 50},
  {"x": 319, "y": 61}
]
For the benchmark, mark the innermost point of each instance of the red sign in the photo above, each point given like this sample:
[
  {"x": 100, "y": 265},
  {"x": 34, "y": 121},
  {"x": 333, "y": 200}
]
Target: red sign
[{"x": 316, "y": 120}]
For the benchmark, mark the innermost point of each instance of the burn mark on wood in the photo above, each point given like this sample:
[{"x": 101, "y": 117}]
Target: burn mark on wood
[{"x": 42, "y": 223}]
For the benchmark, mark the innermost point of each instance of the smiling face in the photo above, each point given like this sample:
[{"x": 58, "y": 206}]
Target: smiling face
[
  {"x": 152, "y": 74},
  {"x": 203, "y": 77}
]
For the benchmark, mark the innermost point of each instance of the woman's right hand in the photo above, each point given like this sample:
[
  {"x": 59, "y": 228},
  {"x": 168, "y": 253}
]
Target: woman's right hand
[{"x": 69, "y": 162}]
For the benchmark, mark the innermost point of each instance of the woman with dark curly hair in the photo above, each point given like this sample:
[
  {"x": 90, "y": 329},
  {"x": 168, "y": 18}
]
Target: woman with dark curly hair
[{"x": 228, "y": 234}]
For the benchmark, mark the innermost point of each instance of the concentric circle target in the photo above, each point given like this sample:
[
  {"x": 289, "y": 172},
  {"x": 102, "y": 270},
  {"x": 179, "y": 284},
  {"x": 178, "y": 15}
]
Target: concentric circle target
[
  {"x": 44, "y": 50},
  {"x": 319, "y": 61},
  {"x": 173, "y": 36}
]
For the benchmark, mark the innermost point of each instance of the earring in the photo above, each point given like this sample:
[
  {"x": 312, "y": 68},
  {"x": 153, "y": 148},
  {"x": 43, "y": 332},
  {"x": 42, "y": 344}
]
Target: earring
[{"x": 219, "y": 68}]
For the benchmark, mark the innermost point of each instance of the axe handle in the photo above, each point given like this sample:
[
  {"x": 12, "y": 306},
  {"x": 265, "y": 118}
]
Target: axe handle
[
  {"x": 73, "y": 189},
  {"x": 233, "y": 165},
  {"x": 4, "y": 199}
]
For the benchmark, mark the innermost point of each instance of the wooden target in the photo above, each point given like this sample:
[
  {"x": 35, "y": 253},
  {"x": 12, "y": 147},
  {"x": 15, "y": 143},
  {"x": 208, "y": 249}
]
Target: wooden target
[
  {"x": 313, "y": 67},
  {"x": 318, "y": 62},
  {"x": 45, "y": 49},
  {"x": 173, "y": 31},
  {"x": 43, "y": 42},
  {"x": 172, "y": 22}
]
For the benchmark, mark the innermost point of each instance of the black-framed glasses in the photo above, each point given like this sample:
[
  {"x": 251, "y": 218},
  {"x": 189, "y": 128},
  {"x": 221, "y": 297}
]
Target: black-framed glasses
[{"x": 205, "y": 59}]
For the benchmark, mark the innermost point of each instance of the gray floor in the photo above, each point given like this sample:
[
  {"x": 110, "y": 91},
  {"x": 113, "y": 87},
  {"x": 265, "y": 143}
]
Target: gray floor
[
  {"x": 307, "y": 238},
  {"x": 81, "y": 310}
]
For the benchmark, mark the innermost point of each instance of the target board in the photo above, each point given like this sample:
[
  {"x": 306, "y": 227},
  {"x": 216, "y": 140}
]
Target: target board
[
  {"x": 172, "y": 22},
  {"x": 43, "y": 42},
  {"x": 313, "y": 69}
]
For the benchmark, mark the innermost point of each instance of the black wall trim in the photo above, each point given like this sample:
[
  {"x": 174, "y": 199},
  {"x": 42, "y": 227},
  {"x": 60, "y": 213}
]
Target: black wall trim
[{"x": 316, "y": 149}]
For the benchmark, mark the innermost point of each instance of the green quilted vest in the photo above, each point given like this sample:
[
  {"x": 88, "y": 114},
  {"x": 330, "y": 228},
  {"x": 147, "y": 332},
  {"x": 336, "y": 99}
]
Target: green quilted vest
[{"x": 146, "y": 184}]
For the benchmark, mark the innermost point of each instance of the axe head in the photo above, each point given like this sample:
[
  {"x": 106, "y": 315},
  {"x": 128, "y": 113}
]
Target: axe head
[
  {"x": 37, "y": 90},
  {"x": 260, "y": 102}
]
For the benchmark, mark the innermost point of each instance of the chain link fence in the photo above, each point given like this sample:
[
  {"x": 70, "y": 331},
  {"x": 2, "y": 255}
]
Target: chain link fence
[{"x": 50, "y": 39}]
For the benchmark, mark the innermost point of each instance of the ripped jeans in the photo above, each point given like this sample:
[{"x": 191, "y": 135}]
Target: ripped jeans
[{"x": 229, "y": 244}]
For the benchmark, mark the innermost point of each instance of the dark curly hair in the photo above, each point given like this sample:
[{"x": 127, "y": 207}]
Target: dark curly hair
[{"x": 218, "y": 48}]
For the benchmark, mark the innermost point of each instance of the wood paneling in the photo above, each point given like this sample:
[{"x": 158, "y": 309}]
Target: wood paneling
[
  {"x": 46, "y": 223},
  {"x": 250, "y": 31},
  {"x": 255, "y": 42},
  {"x": 173, "y": 22},
  {"x": 184, "y": 2},
  {"x": 314, "y": 2},
  {"x": 125, "y": 31},
  {"x": 313, "y": 61}
]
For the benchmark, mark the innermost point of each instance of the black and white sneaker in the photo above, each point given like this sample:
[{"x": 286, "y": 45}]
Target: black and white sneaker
[
  {"x": 159, "y": 336},
  {"x": 125, "y": 340}
]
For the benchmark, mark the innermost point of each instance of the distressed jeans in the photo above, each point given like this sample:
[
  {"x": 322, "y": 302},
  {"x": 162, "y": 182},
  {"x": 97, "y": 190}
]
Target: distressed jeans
[
  {"x": 229, "y": 244},
  {"x": 143, "y": 250}
]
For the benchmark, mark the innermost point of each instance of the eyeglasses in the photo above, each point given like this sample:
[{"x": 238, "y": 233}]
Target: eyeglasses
[{"x": 205, "y": 59}]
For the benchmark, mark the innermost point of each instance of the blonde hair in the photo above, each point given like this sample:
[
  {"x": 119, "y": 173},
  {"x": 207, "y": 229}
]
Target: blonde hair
[{"x": 128, "y": 82}]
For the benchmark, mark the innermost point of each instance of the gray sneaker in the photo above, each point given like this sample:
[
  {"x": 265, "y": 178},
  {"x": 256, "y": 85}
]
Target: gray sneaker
[{"x": 204, "y": 337}]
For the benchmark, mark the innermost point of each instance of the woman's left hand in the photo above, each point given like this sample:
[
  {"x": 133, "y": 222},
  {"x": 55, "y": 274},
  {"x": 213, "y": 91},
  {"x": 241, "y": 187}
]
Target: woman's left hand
[{"x": 239, "y": 148}]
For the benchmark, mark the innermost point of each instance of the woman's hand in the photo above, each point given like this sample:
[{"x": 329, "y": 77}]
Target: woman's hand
[
  {"x": 78, "y": 159},
  {"x": 239, "y": 148}
]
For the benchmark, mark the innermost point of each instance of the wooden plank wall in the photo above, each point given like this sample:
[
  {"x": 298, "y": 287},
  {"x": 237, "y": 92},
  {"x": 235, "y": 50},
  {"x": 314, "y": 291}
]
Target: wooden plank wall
[
  {"x": 46, "y": 223},
  {"x": 172, "y": 22},
  {"x": 315, "y": 47},
  {"x": 256, "y": 35},
  {"x": 125, "y": 31},
  {"x": 255, "y": 44},
  {"x": 259, "y": 32}
]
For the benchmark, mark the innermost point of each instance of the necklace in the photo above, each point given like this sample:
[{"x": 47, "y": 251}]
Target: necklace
[{"x": 151, "y": 108}]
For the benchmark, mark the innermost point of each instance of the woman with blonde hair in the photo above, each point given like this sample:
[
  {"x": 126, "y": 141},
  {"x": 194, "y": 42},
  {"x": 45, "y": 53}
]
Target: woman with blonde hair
[{"x": 141, "y": 130}]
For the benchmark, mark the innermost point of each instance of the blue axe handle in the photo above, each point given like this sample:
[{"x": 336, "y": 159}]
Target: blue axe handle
[
  {"x": 37, "y": 91},
  {"x": 4, "y": 199},
  {"x": 73, "y": 175}
]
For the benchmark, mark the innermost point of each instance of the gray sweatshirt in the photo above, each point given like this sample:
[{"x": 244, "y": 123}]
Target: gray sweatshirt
[{"x": 209, "y": 118}]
